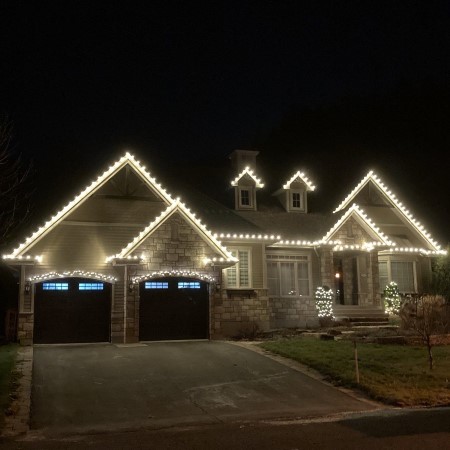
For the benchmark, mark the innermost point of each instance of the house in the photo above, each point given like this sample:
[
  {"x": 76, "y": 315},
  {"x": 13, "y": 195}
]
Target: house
[{"x": 126, "y": 261}]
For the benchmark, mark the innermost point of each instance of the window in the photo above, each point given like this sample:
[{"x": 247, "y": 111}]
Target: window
[
  {"x": 402, "y": 272},
  {"x": 245, "y": 197},
  {"x": 188, "y": 285},
  {"x": 383, "y": 274},
  {"x": 238, "y": 276},
  {"x": 90, "y": 286},
  {"x": 288, "y": 275},
  {"x": 156, "y": 285},
  {"x": 296, "y": 200},
  {"x": 55, "y": 286}
]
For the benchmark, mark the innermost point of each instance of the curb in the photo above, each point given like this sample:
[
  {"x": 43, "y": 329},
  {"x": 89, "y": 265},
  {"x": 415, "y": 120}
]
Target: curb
[{"x": 19, "y": 422}]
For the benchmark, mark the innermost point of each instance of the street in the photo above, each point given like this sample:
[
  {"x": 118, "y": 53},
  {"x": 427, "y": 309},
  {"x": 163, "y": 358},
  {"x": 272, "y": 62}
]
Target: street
[{"x": 389, "y": 429}]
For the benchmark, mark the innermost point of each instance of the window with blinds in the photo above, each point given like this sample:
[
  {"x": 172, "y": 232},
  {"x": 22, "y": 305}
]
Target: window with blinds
[
  {"x": 239, "y": 276},
  {"x": 288, "y": 275}
]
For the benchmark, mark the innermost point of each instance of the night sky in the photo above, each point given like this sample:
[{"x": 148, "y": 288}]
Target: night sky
[{"x": 180, "y": 82}]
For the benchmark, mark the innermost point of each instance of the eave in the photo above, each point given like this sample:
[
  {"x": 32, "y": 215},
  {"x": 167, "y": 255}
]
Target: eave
[
  {"x": 387, "y": 193},
  {"x": 85, "y": 194}
]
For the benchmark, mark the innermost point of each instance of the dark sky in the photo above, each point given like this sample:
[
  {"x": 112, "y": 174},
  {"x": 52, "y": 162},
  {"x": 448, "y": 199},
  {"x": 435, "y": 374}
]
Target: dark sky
[{"x": 176, "y": 81}]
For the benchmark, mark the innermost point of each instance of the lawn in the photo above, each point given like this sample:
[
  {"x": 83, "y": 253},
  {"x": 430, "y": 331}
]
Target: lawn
[
  {"x": 394, "y": 374},
  {"x": 7, "y": 376}
]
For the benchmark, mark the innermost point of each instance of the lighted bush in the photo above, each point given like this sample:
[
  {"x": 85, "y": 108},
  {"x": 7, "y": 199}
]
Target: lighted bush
[
  {"x": 324, "y": 302},
  {"x": 392, "y": 299}
]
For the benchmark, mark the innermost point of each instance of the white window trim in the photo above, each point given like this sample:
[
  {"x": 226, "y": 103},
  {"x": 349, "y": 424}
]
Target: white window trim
[
  {"x": 284, "y": 257},
  {"x": 237, "y": 267},
  {"x": 291, "y": 200},
  {"x": 391, "y": 259},
  {"x": 251, "y": 195}
]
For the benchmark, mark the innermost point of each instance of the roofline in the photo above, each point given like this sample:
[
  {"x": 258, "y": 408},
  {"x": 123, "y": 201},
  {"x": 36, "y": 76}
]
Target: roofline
[
  {"x": 356, "y": 210},
  {"x": 303, "y": 177},
  {"x": 176, "y": 206},
  {"x": 128, "y": 158},
  {"x": 250, "y": 173},
  {"x": 371, "y": 176}
]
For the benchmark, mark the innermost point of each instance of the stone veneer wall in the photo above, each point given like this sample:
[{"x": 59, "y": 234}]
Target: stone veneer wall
[
  {"x": 25, "y": 326},
  {"x": 373, "y": 280},
  {"x": 236, "y": 313},
  {"x": 132, "y": 316},
  {"x": 175, "y": 245},
  {"x": 347, "y": 274},
  {"x": 239, "y": 312},
  {"x": 117, "y": 312},
  {"x": 293, "y": 312},
  {"x": 326, "y": 268},
  {"x": 25, "y": 318}
]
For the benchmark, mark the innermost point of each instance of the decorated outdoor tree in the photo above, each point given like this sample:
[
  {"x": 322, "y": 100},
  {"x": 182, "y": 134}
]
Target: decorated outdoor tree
[
  {"x": 324, "y": 305},
  {"x": 392, "y": 299}
]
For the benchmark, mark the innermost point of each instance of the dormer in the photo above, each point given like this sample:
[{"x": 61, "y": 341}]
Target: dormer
[
  {"x": 245, "y": 186},
  {"x": 293, "y": 196}
]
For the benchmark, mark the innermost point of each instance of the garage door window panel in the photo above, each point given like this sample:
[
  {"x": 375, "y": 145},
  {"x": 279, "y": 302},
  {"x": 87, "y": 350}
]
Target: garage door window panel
[
  {"x": 156, "y": 285},
  {"x": 90, "y": 286},
  {"x": 188, "y": 285},
  {"x": 55, "y": 286}
]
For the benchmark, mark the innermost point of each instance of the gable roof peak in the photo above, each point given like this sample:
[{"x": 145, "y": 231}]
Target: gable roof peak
[
  {"x": 251, "y": 174},
  {"x": 391, "y": 197},
  {"x": 176, "y": 206},
  {"x": 126, "y": 159},
  {"x": 356, "y": 211},
  {"x": 300, "y": 175}
]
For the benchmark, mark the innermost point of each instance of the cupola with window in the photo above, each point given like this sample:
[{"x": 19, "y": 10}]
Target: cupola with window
[{"x": 246, "y": 182}]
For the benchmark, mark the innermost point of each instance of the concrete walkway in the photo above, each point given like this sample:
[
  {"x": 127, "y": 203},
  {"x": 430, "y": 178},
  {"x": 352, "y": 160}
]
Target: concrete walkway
[{"x": 105, "y": 387}]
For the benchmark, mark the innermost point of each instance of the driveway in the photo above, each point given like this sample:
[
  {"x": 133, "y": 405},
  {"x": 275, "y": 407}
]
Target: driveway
[{"x": 105, "y": 386}]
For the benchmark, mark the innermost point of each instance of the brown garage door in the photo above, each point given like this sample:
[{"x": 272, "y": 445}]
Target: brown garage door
[
  {"x": 72, "y": 310},
  {"x": 173, "y": 308}
]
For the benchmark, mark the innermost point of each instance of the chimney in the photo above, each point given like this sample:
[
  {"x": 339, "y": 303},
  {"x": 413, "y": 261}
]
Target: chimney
[{"x": 240, "y": 159}]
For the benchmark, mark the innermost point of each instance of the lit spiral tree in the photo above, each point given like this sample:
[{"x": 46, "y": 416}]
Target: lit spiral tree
[
  {"x": 324, "y": 305},
  {"x": 392, "y": 299}
]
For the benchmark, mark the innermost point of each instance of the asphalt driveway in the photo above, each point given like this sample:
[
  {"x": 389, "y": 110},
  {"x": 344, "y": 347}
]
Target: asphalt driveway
[{"x": 95, "y": 387}]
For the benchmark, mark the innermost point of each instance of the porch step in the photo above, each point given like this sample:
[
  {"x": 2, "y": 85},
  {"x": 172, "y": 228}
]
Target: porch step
[
  {"x": 379, "y": 323},
  {"x": 360, "y": 314},
  {"x": 365, "y": 319}
]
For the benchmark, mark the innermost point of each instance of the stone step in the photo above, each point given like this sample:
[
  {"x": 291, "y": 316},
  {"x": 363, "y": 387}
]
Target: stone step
[
  {"x": 366, "y": 324},
  {"x": 360, "y": 317},
  {"x": 359, "y": 313}
]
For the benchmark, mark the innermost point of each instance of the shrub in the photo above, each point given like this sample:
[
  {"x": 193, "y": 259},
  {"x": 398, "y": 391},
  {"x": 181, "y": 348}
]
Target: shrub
[
  {"x": 392, "y": 299},
  {"x": 426, "y": 315},
  {"x": 324, "y": 303}
]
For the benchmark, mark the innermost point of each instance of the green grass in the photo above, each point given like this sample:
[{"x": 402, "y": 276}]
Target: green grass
[
  {"x": 393, "y": 374},
  {"x": 8, "y": 377}
]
